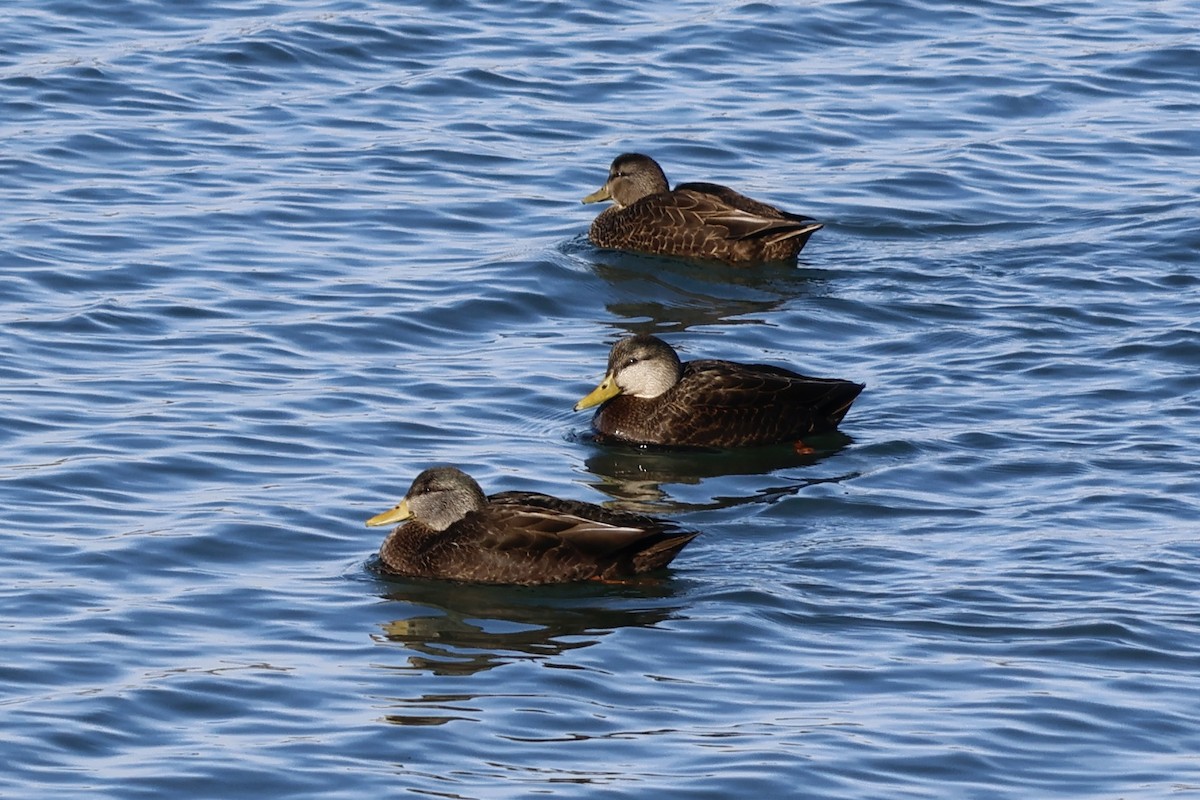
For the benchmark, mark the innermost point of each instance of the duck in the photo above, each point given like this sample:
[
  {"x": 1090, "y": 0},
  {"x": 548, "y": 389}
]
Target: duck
[
  {"x": 452, "y": 531},
  {"x": 649, "y": 397},
  {"x": 695, "y": 220}
]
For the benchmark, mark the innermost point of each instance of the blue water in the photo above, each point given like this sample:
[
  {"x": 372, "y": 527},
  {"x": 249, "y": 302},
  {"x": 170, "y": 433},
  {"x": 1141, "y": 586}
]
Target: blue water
[{"x": 262, "y": 263}]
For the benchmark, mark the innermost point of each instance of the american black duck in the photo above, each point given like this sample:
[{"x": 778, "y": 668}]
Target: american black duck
[
  {"x": 650, "y": 397},
  {"x": 454, "y": 532},
  {"x": 696, "y": 220}
]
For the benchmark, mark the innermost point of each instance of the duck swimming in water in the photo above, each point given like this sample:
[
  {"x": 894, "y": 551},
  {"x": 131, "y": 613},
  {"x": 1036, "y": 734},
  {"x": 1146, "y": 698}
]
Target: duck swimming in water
[
  {"x": 649, "y": 397},
  {"x": 695, "y": 220},
  {"x": 452, "y": 531}
]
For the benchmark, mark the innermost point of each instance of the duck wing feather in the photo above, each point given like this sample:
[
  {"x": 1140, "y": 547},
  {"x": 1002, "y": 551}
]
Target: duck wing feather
[{"x": 721, "y": 403}]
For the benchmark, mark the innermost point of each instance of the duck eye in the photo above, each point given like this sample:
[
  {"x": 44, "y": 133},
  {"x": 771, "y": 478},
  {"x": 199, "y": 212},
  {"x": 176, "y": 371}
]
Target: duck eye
[{"x": 629, "y": 362}]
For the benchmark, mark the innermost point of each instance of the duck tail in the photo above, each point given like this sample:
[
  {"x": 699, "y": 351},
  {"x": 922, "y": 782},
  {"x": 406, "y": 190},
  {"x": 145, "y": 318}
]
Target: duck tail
[
  {"x": 661, "y": 552},
  {"x": 792, "y": 230},
  {"x": 840, "y": 398}
]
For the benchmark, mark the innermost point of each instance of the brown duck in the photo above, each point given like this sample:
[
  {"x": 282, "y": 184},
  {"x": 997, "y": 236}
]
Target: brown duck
[
  {"x": 454, "y": 532},
  {"x": 650, "y": 397},
  {"x": 696, "y": 220}
]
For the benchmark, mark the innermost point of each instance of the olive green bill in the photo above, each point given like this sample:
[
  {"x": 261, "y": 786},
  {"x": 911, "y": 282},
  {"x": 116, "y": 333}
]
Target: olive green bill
[{"x": 600, "y": 194}]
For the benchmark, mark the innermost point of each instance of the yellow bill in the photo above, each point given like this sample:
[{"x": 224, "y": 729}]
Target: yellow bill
[
  {"x": 397, "y": 514},
  {"x": 607, "y": 390}
]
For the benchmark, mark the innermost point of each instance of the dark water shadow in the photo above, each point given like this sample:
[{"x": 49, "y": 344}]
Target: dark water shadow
[
  {"x": 656, "y": 294},
  {"x": 635, "y": 476},
  {"x": 458, "y": 629}
]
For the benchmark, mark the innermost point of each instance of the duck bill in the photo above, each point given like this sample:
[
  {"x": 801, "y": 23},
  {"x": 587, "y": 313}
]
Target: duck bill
[
  {"x": 607, "y": 390},
  {"x": 599, "y": 195},
  {"x": 397, "y": 514}
]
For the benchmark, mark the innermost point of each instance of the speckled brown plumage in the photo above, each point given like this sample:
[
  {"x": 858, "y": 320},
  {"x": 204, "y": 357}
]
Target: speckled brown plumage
[
  {"x": 710, "y": 403},
  {"x": 696, "y": 220},
  {"x": 456, "y": 533}
]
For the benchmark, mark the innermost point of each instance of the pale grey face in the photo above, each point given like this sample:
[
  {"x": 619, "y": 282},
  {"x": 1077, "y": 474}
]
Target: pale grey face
[
  {"x": 633, "y": 176},
  {"x": 644, "y": 366},
  {"x": 441, "y": 496}
]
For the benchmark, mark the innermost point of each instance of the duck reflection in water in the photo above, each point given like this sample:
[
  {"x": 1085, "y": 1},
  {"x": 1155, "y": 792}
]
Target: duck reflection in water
[
  {"x": 677, "y": 296},
  {"x": 635, "y": 476},
  {"x": 462, "y": 629}
]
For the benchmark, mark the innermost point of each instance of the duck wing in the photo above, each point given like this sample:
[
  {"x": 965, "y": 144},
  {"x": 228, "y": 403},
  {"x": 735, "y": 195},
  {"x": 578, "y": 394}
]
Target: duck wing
[
  {"x": 741, "y": 202},
  {"x": 713, "y": 383},
  {"x": 727, "y": 404},
  {"x": 704, "y": 217},
  {"x": 616, "y": 542},
  {"x": 553, "y": 532},
  {"x": 579, "y": 508}
]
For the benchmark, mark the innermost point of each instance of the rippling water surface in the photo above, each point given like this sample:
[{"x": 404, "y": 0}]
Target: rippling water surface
[{"x": 262, "y": 263}]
